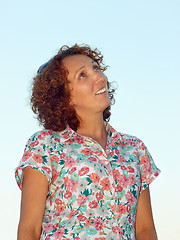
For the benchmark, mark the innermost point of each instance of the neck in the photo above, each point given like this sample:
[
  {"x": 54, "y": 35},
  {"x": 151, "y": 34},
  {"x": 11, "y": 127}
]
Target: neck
[{"x": 93, "y": 126}]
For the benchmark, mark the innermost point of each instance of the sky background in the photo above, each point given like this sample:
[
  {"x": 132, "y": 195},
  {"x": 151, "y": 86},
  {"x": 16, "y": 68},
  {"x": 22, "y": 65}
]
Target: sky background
[{"x": 140, "y": 41}]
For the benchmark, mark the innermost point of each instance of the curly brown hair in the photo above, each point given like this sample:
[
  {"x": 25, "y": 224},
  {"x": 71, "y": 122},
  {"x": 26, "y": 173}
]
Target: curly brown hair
[{"x": 50, "y": 98}]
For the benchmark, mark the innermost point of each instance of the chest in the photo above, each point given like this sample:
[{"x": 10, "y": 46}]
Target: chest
[{"x": 87, "y": 167}]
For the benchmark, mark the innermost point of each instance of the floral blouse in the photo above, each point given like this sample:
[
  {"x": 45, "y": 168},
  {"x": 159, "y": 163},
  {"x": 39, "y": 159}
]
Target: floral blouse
[{"x": 93, "y": 193}]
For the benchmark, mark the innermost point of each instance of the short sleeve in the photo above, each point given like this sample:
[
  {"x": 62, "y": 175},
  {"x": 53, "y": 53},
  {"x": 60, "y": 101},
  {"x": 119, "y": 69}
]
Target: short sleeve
[
  {"x": 148, "y": 169},
  {"x": 36, "y": 156}
]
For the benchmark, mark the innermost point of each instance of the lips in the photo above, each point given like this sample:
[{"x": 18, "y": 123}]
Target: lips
[{"x": 102, "y": 90}]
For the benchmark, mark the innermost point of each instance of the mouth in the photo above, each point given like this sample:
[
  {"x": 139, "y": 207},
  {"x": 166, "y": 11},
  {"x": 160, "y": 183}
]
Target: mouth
[{"x": 101, "y": 91}]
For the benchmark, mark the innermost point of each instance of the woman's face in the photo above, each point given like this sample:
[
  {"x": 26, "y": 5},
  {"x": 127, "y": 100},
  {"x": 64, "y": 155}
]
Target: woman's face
[{"x": 87, "y": 84}]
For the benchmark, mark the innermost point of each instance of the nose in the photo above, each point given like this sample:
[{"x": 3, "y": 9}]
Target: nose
[{"x": 100, "y": 77}]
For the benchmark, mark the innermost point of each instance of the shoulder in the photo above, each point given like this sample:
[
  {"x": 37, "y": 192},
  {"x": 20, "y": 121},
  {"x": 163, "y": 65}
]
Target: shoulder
[
  {"x": 130, "y": 139},
  {"x": 43, "y": 138},
  {"x": 132, "y": 142},
  {"x": 41, "y": 135},
  {"x": 48, "y": 137},
  {"x": 123, "y": 138}
]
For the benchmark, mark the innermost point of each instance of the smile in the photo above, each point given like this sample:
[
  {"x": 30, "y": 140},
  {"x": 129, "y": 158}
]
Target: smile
[{"x": 101, "y": 91}]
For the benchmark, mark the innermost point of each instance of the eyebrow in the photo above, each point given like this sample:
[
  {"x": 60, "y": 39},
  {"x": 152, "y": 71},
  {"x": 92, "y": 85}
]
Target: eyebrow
[{"x": 82, "y": 68}]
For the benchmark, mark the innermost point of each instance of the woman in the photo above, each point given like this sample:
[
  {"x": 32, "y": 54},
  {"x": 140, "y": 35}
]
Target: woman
[{"x": 80, "y": 178}]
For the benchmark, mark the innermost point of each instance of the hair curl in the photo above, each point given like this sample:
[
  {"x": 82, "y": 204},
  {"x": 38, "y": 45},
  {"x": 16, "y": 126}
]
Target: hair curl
[{"x": 50, "y": 98}]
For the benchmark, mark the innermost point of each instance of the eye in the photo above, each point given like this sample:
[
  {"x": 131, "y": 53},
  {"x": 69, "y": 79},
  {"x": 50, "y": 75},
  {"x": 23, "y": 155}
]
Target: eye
[
  {"x": 96, "y": 67},
  {"x": 82, "y": 75}
]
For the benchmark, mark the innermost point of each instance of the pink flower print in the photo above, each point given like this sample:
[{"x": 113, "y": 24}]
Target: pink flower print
[
  {"x": 26, "y": 156},
  {"x": 72, "y": 213},
  {"x": 120, "y": 232},
  {"x": 65, "y": 179},
  {"x": 54, "y": 158},
  {"x": 99, "y": 196},
  {"x": 46, "y": 169},
  {"x": 98, "y": 223},
  {"x": 121, "y": 209},
  {"x": 146, "y": 168},
  {"x": 48, "y": 227},
  {"x": 33, "y": 144},
  {"x": 93, "y": 204},
  {"x": 106, "y": 163},
  {"x": 115, "y": 229},
  {"x": 128, "y": 208},
  {"x": 66, "y": 134},
  {"x": 143, "y": 178},
  {"x": 77, "y": 238},
  {"x": 57, "y": 139},
  {"x": 132, "y": 143},
  {"x": 130, "y": 198},
  {"x": 60, "y": 208},
  {"x": 94, "y": 177},
  {"x": 111, "y": 154},
  {"x": 105, "y": 183},
  {"x": 42, "y": 135},
  {"x": 58, "y": 201},
  {"x": 123, "y": 144},
  {"x": 69, "y": 162},
  {"x": 72, "y": 185},
  {"x": 132, "y": 179},
  {"x": 47, "y": 238},
  {"x": 99, "y": 153},
  {"x": 62, "y": 155},
  {"x": 81, "y": 199},
  {"x": 113, "y": 208},
  {"x": 130, "y": 169},
  {"x": 58, "y": 234},
  {"x": 88, "y": 222},
  {"x": 83, "y": 171},
  {"x": 121, "y": 159},
  {"x": 80, "y": 217},
  {"x": 100, "y": 238},
  {"x": 144, "y": 159},
  {"x": 142, "y": 147},
  {"x": 38, "y": 158},
  {"x": 116, "y": 174},
  {"x": 57, "y": 214},
  {"x": 55, "y": 174},
  {"x": 118, "y": 188},
  {"x": 123, "y": 167},
  {"x": 68, "y": 194},
  {"x": 72, "y": 170},
  {"x": 117, "y": 151},
  {"x": 87, "y": 151},
  {"x": 79, "y": 140},
  {"x": 123, "y": 180},
  {"x": 93, "y": 159}
]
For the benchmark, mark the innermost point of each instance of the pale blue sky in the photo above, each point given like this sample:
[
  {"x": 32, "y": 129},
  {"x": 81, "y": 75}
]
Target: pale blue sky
[{"x": 140, "y": 41}]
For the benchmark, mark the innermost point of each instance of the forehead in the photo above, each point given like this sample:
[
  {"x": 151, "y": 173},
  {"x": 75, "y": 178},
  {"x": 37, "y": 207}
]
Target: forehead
[{"x": 75, "y": 61}]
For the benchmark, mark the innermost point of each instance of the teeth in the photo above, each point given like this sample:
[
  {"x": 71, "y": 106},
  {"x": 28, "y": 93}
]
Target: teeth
[{"x": 101, "y": 91}]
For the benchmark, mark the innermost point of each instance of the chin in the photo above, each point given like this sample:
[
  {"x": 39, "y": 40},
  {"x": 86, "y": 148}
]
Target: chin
[{"x": 102, "y": 108}]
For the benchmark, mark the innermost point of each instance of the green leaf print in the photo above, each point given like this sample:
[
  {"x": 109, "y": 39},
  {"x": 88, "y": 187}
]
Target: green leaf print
[
  {"x": 87, "y": 192},
  {"x": 89, "y": 180},
  {"x": 44, "y": 159},
  {"x": 61, "y": 162}
]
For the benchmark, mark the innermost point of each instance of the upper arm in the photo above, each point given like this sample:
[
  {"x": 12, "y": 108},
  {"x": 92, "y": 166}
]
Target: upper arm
[
  {"x": 33, "y": 201},
  {"x": 144, "y": 217}
]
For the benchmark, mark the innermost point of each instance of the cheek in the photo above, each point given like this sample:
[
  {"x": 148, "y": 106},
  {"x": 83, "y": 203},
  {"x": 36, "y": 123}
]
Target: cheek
[
  {"x": 77, "y": 96},
  {"x": 82, "y": 90}
]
